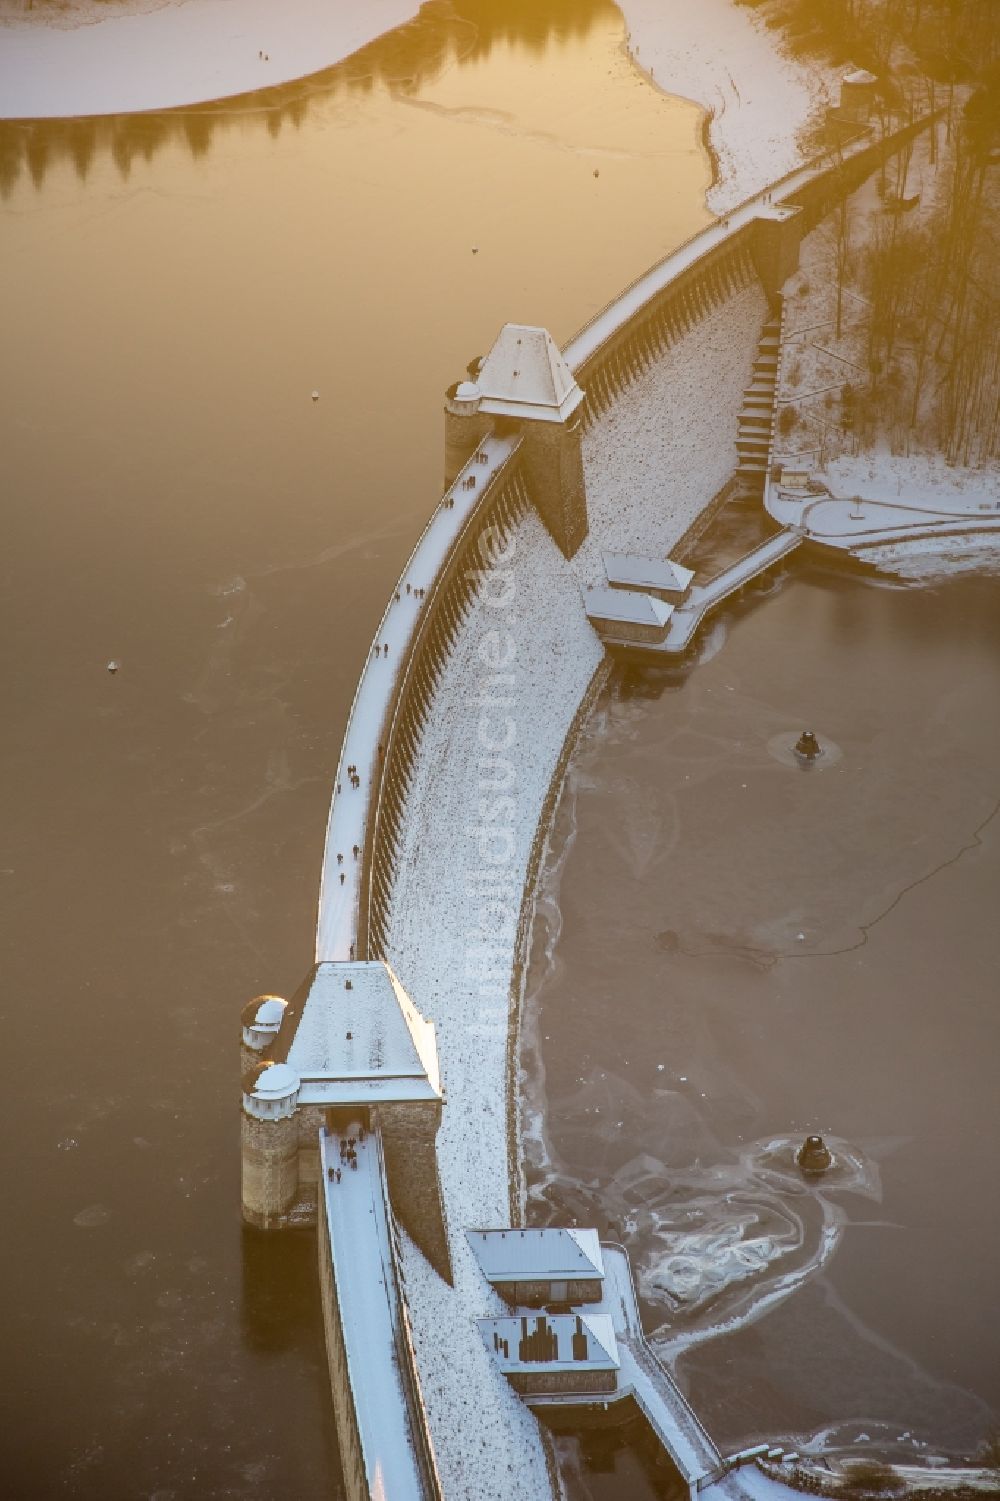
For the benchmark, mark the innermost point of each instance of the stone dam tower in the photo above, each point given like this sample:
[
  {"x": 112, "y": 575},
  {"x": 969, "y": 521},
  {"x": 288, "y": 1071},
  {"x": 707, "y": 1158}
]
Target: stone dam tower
[
  {"x": 524, "y": 385},
  {"x": 349, "y": 1046}
]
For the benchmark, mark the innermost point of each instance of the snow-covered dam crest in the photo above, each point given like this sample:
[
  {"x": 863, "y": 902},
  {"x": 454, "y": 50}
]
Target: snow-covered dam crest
[{"x": 484, "y": 663}]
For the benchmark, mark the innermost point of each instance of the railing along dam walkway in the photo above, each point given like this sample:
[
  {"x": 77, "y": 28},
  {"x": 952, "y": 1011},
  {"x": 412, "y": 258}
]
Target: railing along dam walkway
[
  {"x": 371, "y": 1345},
  {"x": 351, "y": 807},
  {"x": 705, "y": 597}
]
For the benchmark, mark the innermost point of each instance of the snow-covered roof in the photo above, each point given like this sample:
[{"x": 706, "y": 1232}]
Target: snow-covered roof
[
  {"x": 646, "y": 573},
  {"x": 525, "y": 375},
  {"x": 626, "y": 605},
  {"x": 527, "y": 1341},
  {"x": 264, "y": 1012},
  {"x": 271, "y": 1081},
  {"x": 859, "y": 76},
  {"x": 360, "y": 1038},
  {"x": 537, "y": 1255}
]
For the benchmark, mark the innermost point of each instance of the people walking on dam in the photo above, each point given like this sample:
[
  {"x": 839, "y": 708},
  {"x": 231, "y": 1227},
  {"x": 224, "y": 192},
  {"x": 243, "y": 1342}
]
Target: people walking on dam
[
  {"x": 340, "y": 858},
  {"x": 357, "y": 851},
  {"x": 341, "y": 878}
]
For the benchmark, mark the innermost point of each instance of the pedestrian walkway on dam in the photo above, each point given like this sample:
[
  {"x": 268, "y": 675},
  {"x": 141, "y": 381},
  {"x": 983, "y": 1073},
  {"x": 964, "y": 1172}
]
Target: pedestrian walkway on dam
[
  {"x": 706, "y": 597},
  {"x": 367, "y": 724},
  {"x": 354, "y": 1205}
]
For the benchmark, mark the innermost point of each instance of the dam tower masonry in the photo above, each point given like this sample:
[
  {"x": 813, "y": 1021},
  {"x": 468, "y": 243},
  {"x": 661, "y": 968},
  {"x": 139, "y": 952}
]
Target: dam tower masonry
[
  {"x": 525, "y": 386},
  {"x": 349, "y": 1046},
  {"x": 776, "y": 237}
]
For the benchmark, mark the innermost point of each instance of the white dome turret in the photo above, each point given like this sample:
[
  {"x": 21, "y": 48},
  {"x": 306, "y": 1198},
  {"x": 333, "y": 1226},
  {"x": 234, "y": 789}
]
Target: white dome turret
[
  {"x": 463, "y": 400},
  {"x": 262, "y": 1018},
  {"x": 271, "y": 1091}
]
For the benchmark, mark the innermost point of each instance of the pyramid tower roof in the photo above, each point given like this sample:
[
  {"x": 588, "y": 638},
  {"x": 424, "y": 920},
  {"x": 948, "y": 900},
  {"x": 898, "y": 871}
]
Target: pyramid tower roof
[
  {"x": 361, "y": 1039},
  {"x": 524, "y": 375}
]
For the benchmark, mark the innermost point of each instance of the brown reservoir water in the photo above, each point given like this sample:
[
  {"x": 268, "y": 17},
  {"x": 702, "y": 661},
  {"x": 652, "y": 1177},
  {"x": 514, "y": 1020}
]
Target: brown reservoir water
[
  {"x": 732, "y": 951},
  {"x": 174, "y": 287}
]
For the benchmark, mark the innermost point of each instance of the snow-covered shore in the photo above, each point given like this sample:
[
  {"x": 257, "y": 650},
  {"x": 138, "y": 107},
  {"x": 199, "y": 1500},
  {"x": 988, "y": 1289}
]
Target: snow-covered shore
[
  {"x": 82, "y": 58},
  {"x": 725, "y": 58},
  {"x": 89, "y": 61}
]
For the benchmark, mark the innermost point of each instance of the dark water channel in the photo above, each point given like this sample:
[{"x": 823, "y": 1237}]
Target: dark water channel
[
  {"x": 733, "y": 951},
  {"x": 174, "y": 287}
]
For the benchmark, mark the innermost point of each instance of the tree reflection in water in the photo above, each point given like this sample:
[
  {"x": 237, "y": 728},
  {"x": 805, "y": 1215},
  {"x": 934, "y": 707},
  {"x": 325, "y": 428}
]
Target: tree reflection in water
[{"x": 401, "y": 61}]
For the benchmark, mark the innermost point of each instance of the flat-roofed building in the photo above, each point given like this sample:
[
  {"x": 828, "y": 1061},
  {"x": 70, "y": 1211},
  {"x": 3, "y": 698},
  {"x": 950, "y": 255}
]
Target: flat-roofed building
[{"x": 533, "y": 1267}]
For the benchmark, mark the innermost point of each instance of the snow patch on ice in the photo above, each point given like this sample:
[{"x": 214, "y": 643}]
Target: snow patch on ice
[{"x": 139, "y": 56}]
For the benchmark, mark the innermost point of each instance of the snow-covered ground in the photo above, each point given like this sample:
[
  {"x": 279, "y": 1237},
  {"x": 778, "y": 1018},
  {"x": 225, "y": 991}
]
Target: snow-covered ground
[
  {"x": 914, "y": 479},
  {"x": 725, "y": 58},
  {"x": 671, "y": 439},
  {"x": 100, "y": 59},
  {"x": 822, "y": 431},
  {"x": 347, "y": 831}
]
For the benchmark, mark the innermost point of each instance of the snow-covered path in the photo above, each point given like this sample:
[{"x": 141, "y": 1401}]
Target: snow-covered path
[
  {"x": 183, "y": 52},
  {"x": 343, "y": 855},
  {"x": 361, "y": 1253}
]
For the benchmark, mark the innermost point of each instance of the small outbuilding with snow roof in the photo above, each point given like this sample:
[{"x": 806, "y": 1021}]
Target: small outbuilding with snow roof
[{"x": 533, "y": 1268}]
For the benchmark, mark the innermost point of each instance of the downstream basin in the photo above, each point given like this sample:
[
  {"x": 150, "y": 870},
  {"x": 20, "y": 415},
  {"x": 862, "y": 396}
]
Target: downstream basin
[{"x": 732, "y": 950}]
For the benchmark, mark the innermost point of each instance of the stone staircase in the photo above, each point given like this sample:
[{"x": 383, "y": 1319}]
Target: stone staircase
[{"x": 756, "y": 420}]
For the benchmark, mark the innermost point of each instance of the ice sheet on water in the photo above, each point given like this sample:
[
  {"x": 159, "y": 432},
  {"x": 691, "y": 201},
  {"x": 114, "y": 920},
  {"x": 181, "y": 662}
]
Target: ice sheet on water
[{"x": 920, "y": 563}]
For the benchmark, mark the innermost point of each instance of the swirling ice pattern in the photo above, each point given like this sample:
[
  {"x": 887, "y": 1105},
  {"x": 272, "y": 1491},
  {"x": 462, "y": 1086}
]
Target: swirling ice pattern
[{"x": 716, "y": 1246}]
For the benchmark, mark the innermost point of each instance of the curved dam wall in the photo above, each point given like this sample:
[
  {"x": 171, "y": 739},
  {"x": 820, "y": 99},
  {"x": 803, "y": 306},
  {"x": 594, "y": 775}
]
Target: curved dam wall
[
  {"x": 459, "y": 739},
  {"x": 474, "y": 747}
]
